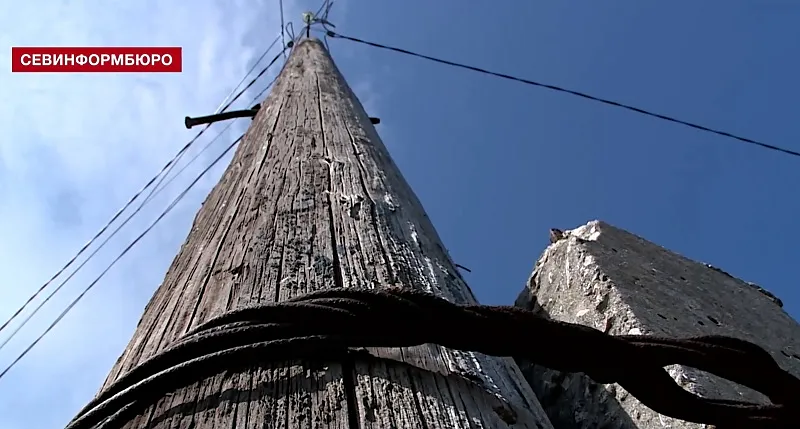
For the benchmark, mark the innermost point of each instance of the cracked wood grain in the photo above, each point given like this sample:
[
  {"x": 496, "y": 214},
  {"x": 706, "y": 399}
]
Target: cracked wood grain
[{"x": 311, "y": 201}]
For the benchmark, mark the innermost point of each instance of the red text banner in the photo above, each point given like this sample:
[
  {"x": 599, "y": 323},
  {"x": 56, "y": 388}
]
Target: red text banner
[{"x": 96, "y": 59}]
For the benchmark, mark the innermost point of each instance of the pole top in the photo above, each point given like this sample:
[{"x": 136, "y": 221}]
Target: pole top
[{"x": 310, "y": 18}]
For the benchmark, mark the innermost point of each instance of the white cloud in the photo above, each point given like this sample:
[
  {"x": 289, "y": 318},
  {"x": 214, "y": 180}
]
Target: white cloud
[{"x": 74, "y": 148}]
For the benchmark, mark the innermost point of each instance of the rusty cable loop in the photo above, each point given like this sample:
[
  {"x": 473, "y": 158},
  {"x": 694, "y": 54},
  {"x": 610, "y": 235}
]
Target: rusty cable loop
[{"x": 323, "y": 325}]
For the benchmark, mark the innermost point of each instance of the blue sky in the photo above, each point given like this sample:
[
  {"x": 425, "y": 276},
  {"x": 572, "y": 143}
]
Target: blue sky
[{"x": 495, "y": 163}]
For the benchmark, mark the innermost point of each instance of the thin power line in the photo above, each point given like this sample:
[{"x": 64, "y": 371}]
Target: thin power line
[
  {"x": 104, "y": 228},
  {"x": 253, "y": 67},
  {"x": 283, "y": 28},
  {"x": 569, "y": 91},
  {"x": 269, "y": 85},
  {"x": 128, "y": 248},
  {"x": 217, "y": 110},
  {"x": 208, "y": 145},
  {"x": 155, "y": 191},
  {"x": 222, "y": 106},
  {"x": 322, "y": 7},
  {"x": 165, "y": 170},
  {"x": 261, "y": 73}
]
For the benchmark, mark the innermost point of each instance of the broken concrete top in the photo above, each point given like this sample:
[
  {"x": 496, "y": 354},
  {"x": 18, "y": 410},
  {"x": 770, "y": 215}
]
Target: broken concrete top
[{"x": 601, "y": 276}]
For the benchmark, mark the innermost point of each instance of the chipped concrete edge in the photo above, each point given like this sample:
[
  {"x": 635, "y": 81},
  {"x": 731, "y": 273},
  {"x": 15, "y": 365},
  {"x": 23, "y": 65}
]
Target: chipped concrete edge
[{"x": 571, "y": 255}]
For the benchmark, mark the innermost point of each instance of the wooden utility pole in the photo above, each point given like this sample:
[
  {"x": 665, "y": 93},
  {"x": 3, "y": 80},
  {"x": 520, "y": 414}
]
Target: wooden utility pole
[
  {"x": 311, "y": 201},
  {"x": 607, "y": 278}
]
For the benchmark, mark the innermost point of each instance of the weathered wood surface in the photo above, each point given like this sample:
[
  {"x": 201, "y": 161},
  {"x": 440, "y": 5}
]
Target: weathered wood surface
[
  {"x": 604, "y": 277},
  {"x": 313, "y": 201}
]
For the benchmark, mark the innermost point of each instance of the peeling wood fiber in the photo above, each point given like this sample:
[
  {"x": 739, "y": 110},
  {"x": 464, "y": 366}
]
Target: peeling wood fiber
[
  {"x": 601, "y": 276},
  {"x": 310, "y": 201}
]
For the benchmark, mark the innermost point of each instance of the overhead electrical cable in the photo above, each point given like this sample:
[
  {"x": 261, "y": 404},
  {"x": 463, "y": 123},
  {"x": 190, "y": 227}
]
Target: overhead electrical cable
[
  {"x": 261, "y": 73},
  {"x": 149, "y": 228},
  {"x": 269, "y": 85},
  {"x": 323, "y": 11},
  {"x": 160, "y": 175},
  {"x": 222, "y": 107},
  {"x": 283, "y": 27},
  {"x": 106, "y": 240},
  {"x": 569, "y": 91},
  {"x": 128, "y": 248},
  {"x": 103, "y": 229},
  {"x": 321, "y": 17},
  {"x": 208, "y": 145}
]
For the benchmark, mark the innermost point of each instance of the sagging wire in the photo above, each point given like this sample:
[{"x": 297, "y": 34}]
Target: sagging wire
[
  {"x": 125, "y": 251},
  {"x": 764, "y": 145},
  {"x": 154, "y": 190}
]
